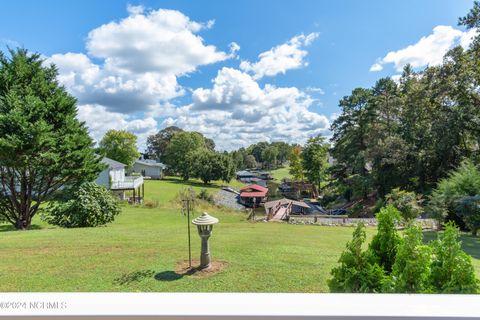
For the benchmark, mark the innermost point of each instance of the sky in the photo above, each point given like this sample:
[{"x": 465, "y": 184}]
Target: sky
[{"x": 239, "y": 72}]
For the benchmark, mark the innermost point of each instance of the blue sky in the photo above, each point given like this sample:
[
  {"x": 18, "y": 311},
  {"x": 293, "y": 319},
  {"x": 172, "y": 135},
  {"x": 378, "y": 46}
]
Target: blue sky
[{"x": 315, "y": 52}]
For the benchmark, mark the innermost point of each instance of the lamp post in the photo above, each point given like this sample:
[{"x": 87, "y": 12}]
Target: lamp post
[{"x": 204, "y": 225}]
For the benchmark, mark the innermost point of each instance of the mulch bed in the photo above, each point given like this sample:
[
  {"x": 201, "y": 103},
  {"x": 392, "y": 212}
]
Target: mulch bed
[{"x": 182, "y": 268}]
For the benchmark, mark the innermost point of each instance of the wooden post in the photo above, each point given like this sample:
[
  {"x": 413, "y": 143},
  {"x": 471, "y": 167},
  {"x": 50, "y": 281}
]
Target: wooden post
[
  {"x": 133, "y": 195},
  {"x": 143, "y": 191}
]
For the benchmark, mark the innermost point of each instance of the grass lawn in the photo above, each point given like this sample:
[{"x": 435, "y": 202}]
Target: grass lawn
[
  {"x": 140, "y": 250},
  {"x": 281, "y": 173}
]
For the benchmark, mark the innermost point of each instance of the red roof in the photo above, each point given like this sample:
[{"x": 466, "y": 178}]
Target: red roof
[
  {"x": 259, "y": 194},
  {"x": 254, "y": 187}
]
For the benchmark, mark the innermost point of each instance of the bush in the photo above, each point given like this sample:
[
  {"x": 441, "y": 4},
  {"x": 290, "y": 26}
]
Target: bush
[
  {"x": 452, "y": 268},
  {"x": 358, "y": 271},
  {"x": 206, "y": 196},
  {"x": 468, "y": 209},
  {"x": 411, "y": 270},
  {"x": 90, "y": 205},
  {"x": 408, "y": 203},
  {"x": 385, "y": 243},
  {"x": 150, "y": 204}
]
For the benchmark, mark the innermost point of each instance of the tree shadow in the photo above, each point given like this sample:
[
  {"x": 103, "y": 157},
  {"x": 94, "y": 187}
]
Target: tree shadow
[
  {"x": 168, "y": 276},
  {"x": 470, "y": 243},
  {"x": 136, "y": 276},
  {"x": 10, "y": 227},
  {"x": 192, "y": 183}
]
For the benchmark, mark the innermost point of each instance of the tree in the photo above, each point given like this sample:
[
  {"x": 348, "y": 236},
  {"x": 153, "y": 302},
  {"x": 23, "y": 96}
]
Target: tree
[
  {"x": 385, "y": 243},
  {"x": 411, "y": 272},
  {"x": 120, "y": 145},
  {"x": 408, "y": 203},
  {"x": 250, "y": 162},
  {"x": 43, "y": 147},
  {"x": 452, "y": 268},
  {"x": 284, "y": 150},
  {"x": 157, "y": 144},
  {"x": 296, "y": 166},
  {"x": 269, "y": 156},
  {"x": 358, "y": 271},
  {"x": 256, "y": 150},
  {"x": 178, "y": 150},
  {"x": 314, "y": 159},
  {"x": 468, "y": 209},
  {"x": 90, "y": 205}
]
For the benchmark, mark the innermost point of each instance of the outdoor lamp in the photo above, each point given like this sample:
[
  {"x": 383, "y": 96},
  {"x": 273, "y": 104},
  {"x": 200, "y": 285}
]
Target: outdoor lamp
[{"x": 204, "y": 225}]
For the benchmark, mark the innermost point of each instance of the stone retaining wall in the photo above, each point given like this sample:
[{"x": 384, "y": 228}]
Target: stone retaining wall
[{"x": 340, "y": 221}]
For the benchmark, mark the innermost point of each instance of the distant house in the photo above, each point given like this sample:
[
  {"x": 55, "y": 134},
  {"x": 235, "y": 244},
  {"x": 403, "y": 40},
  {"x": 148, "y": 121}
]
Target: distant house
[
  {"x": 281, "y": 209},
  {"x": 148, "y": 168},
  {"x": 253, "y": 195},
  {"x": 114, "y": 179}
]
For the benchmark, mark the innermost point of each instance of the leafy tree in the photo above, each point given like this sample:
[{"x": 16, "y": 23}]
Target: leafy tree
[
  {"x": 408, "y": 203},
  {"x": 43, "y": 147},
  {"x": 250, "y": 162},
  {"x": 284, "y": 150},
  {"x": 269, "y": 156},
  {"x": 384, "y": 244},
  {"x": 120, "y": 145},
  {"x": 462, "y": 183},
  {"x": 90, "y": 205},
  {"x": 256, "y": 150},
  {"x": 208, "y": 165},
  {"x": 452, "y": 268},
  {"x": 469, "y": 210},
  {"x": 157, "y": 143},
  {"x": 358, "y": 271},
  {"x": 411, "y": 271},
  {"x": 314, "y": 159},
  {"x": 181, "y": 145},
  {"x": 296, "y": 166}
]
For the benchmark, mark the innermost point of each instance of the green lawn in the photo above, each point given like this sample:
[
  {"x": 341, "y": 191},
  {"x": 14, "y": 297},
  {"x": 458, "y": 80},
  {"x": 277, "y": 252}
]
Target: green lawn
[
  {"x": 281, "y": 173},
  {"x": 139, "y": 252}
]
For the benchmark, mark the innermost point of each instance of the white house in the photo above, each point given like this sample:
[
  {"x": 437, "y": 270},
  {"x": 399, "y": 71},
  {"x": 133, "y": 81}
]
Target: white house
[
  {"x": 148, "y": 168},
  {"x": 113, "y": 178}
]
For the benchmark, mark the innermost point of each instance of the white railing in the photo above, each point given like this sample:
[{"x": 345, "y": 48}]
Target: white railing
[{"x": 128, "y": 183}]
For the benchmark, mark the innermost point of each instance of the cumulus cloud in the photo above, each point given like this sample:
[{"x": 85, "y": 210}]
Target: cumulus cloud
[
  {"x": 141, "y": 58},
  {"x": 237, "y": 112},
  {"x": 99, "y": 120},
  {"x": 281, "y": 58},
  {"x": 429, "y": 50}
]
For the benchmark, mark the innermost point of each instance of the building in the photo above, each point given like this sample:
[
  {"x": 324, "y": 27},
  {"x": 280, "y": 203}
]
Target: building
[
  {"x": 114, "y": 179},
  {"x": 148, "y": 168},
  {"x": 253, "y": 195}
]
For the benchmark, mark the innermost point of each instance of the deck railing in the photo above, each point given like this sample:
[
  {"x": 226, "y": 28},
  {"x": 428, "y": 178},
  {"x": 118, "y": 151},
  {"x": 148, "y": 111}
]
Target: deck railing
[{"x": 129, "y": 182}]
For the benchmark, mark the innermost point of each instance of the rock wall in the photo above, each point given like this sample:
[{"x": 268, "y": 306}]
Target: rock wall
[{"x": 427, "y": 224}]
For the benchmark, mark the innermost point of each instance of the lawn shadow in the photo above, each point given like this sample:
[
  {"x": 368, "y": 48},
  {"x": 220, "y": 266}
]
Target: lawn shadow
[
  {"x": 136, "y": 276},
  {"x": 192, "y": 183},
  {"x": 10, "y": 227},
  {"x": 470, "y": 243}
]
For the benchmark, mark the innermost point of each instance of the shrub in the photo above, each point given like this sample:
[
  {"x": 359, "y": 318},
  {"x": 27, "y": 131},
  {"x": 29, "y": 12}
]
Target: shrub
[
  {"x": 452, "y": 268},
  {"x": 150, "y": 204},
  {"x": 90, "y": 205},
  {"x": 468, "y": 209},
  {"x": 411, "y": 270},
  {"x": 385, "y": 243},
  {"x": 206, "y": 196},
  {"x": 358, "y": 271},
  {"x": 408, "y": 203}
]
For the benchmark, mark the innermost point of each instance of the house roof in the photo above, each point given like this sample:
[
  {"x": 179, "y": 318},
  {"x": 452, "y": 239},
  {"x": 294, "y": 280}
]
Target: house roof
[
  {"x": 150, "y": 163},
  {"x": 254, "y": 187},
  {"x": 245, "y": 174},
  {"x": 253, "y": 194},
  {"x": 112, "y": 164},
  {"x": 271, "y": 204}
]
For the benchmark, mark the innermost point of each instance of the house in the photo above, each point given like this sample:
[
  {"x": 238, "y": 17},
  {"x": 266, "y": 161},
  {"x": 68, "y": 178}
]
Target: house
[
  {"x": 148, "y": 168},
  {"x": 281, "y": 209},
  {"x": 114, "y": 179},
  {"x": 253, "y": 195}
]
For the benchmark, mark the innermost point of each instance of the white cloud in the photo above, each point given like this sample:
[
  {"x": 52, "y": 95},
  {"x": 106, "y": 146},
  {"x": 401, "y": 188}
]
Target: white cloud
[
  {"x": 315, "y": 90},
  {"x": 279, "y": 59},
  {"x": 142, "y": 55},
  {"x": 237, "y": 112},
  {"x": 429, "y": 50},
  {"x": 99, "y": 120}
]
